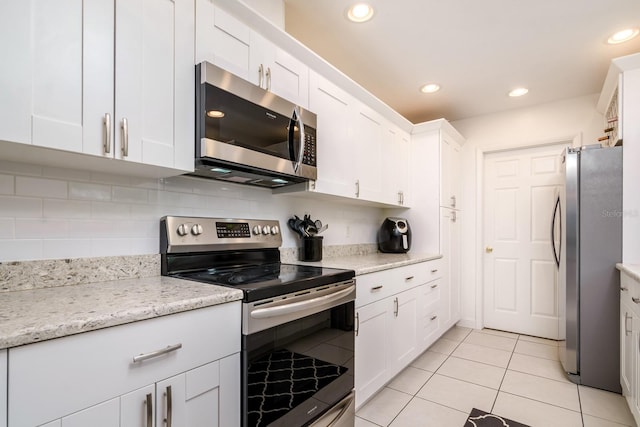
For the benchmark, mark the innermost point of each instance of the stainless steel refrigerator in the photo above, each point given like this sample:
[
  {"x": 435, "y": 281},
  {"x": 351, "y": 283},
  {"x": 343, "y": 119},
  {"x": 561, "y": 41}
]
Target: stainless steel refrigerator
[{"x": 587, "y": 244}]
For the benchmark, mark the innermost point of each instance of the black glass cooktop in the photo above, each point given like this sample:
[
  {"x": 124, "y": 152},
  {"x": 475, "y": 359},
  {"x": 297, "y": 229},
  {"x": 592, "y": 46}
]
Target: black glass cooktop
[{"x": 268, "y": 280}]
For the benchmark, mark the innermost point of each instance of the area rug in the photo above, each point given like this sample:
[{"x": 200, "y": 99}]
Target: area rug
[{"x": 478, "y": 418}]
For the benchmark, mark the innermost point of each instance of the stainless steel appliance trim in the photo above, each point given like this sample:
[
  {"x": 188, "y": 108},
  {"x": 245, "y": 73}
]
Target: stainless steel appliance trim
[
  {"x": 223, "y": 79},
  {"x": 570, "y": 360},
  {"x": 294, "y": 307},
  {"x": 342, "y": 414},
  {"x": 337, "y": 294},
  {"x": 211, "y": 148},
  {"x": 156, "y": 353}
]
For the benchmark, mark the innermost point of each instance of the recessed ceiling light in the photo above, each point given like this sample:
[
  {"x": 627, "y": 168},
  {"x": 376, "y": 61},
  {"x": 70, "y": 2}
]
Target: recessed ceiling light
[
  {"x": 518, "y": 92},
  {"x": 430, "y": 88},
  {"x": 623, "y": 36},
  {"x": 360, "y": 12}
]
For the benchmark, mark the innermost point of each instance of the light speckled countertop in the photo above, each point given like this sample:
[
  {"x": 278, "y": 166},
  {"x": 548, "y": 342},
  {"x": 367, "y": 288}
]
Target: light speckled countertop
[
  {"x": 29, "y": 316},
  {"x": 632, "y": 270},
  {"x": 41, "y": 300},
  {"x": 370, "y": 263}
]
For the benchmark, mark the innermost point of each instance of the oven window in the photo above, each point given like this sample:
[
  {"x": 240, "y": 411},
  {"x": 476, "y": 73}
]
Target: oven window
[
  {"x": 247, "y": 125},
  {"x": 295, "y": 371}
]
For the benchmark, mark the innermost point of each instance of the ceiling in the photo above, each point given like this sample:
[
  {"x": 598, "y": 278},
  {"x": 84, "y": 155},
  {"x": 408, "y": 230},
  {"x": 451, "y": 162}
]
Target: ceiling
[{"x": 477, "y": 51}]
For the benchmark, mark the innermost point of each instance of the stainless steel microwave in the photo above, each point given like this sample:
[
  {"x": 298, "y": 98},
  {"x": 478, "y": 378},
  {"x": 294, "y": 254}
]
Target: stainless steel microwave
[{"x": 247, "y": 135}]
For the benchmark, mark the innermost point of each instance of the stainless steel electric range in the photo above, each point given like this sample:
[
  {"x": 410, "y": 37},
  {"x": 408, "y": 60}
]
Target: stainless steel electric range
[{"x": 297, "y": 321}]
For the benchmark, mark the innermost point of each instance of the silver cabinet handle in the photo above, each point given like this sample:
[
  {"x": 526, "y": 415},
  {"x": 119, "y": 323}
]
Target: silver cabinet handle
[
  {"x": 396, "y": 307},
  {"x": 357, "y": 188},
  {"x": 156, "y": 353},
  {"x": 636, "y": 300},
  {"x": 268, "y": 79},
  {"x": 260, "y": 75},
  {"x": 454, "y": 217},
  {"x": 399, "y": 197},
  {"x": 149, "y": 404},
  {"x": 402, "y": 197},
  {"x": 107, "y": 133},
  {"x": 627, "y": 331},
  {"x": 169, "y": 418},
  {"x": 125, "y": 137},
  {"x": 406, "y": 279},
  {"x": 434, "y": 317},
  {"x": 434, "y": 286},
  {"x": 376, "y": 288},
  {"x": 453, "y": 201},
  {"x": 434, "y": 271},
  {"x": 357, "y": 323},
  {"x": 622, "y": 288}
]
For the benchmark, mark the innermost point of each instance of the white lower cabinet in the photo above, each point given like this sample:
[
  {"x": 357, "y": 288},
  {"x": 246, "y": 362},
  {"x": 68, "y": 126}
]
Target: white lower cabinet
[
  {"x": 630, "y": 343},
  {"x": 92, "y": 379},
  {"x": 398, "y": 316},
  {"x": 3, "y": 388}
]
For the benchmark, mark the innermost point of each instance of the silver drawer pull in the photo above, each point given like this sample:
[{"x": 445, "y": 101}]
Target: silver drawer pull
[
  {"x": 149, "y": 403},
  {"x": 408, "y": 278},
  {"x": 623, "y": 288},
  {"x": 636, "y": 300},
  {"x": 376, "y": 288},
  {"x": 434, "y": 271},
  {"x": 434, "y": 286},
  {"x": 151, "y": 355},
  {"x": 434, "y": 317}
]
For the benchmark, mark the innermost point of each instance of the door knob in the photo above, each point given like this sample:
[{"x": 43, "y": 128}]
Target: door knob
[{"x": 488, "y": 249}]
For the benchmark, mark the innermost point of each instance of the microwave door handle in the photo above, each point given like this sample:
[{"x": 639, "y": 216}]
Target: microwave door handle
[{"x": 297, "y": 159}]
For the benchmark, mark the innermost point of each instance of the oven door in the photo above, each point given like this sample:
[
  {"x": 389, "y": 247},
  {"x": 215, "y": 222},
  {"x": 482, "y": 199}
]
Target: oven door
[{"x": 298, "y": 368}]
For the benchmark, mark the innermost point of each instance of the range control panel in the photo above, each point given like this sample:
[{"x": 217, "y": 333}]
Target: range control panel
[{"x": 179, "y": 234}]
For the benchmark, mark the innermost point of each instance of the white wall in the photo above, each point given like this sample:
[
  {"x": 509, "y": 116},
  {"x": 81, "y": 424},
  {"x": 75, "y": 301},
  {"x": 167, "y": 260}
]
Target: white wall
[
  {"x": 542, "y": 124},
  {"x": 48, "y": 213}
]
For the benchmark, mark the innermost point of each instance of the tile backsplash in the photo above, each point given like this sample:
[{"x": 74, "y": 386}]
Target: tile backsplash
[{"x": 51, "y": 213}]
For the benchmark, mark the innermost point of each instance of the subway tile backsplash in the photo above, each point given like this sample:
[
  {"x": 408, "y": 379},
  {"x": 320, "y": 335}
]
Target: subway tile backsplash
[{"x": 53, "y": 213}]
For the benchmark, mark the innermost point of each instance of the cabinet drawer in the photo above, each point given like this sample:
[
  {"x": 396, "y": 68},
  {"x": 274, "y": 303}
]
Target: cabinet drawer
[
  {"x": 374, "y": 287},
  {"x": 434, "y": 269},
  {"x": 57, "y": 377},
  {"x": 630, "y": 289}
]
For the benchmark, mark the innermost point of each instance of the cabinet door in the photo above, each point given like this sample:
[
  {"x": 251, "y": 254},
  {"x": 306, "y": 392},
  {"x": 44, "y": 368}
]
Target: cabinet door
[
  {"x": 368, "y": 136},
  {"x": 430, "y": 309},
  {"x": 627, "y": 350},
  {"x": 137, "y": 407},
  {"x": 335, "y": 149},
  {"x": 404, "y": 329},
  {"x": 451, "y": 184},
  {"x": 395, "y": 173},
  {"x": 60, "y": 83},
  {"x": 372, "y": 358},
  {"x": 283, "y": 74},
  {"x": 447, "y": 243},
  {"x": 105, "y": 414},
  {"x": 3, "y": 388},
  {"x": 171, "y": 402},
  {"x": 154, "y": 81}
]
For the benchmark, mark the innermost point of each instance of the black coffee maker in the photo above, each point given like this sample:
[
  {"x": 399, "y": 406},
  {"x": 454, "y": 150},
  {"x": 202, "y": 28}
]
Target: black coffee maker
[{"x": 394, "y": 236}]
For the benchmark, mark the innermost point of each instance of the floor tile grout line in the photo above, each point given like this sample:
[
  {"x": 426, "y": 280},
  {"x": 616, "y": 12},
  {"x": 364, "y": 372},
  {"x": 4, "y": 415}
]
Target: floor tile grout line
[
  {"x": 503, "y": 376},
  {"x": 580, "y": 404},
  {"x": 546, "y": 403}
]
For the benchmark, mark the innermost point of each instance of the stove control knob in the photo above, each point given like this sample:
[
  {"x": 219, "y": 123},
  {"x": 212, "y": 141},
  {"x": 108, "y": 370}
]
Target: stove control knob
[
  {"x": 257, "y": 230},
  {"x": 275, "y": 230},
  {"x": 183, "y": 230},
  {"x": 196, "y": 230},
  {"x": 266, "y": 230}
]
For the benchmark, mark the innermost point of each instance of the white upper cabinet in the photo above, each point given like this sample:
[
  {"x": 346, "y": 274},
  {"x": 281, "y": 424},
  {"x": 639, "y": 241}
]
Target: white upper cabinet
[
  {"x": 395, "y": 166},
  {"x": 367, "y": 137},
  {"x": 335, "y": 148},
  {"x": 228, "y": 43},
  {"x": 59, "y": 90},
  {"x": 450, "y": 181}
]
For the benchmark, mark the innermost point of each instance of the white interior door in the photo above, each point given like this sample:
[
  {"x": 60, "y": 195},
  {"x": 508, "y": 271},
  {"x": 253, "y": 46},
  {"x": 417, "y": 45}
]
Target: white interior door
[{"x": 520, "y": 275}]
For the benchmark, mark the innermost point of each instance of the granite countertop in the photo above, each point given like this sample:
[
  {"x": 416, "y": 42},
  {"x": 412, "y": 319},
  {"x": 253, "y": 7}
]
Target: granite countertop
[
  {"x": 370, "y": 263},
  {"x": 29, "y": 316},
  {"x": 633, "y": 270}
]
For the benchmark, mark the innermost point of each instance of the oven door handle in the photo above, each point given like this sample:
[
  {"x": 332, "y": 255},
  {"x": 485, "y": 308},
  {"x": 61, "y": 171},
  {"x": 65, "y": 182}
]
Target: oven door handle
[{"x": 263, "y": 313}]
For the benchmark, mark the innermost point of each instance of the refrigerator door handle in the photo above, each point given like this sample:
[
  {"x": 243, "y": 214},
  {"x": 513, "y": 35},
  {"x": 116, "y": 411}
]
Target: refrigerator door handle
[{"x": 557, "y": 213}]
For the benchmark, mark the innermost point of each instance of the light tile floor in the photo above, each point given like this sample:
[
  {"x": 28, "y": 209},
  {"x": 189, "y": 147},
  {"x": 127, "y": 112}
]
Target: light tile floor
[{"x": 516, "y": 376}]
